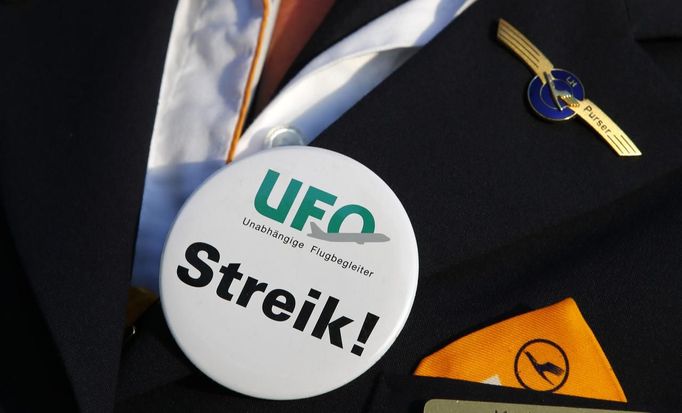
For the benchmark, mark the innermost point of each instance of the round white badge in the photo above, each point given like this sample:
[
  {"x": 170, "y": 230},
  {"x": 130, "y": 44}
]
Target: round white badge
[{"x": 289, "y": 273}]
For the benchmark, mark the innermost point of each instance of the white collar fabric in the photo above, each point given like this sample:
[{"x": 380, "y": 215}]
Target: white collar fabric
[
  {"x": 210, "y": 52},
  {"x": 338, "y": 78}
]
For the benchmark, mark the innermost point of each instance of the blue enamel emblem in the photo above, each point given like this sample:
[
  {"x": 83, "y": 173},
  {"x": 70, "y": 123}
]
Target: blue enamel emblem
[{"x": 542, "y": 102}]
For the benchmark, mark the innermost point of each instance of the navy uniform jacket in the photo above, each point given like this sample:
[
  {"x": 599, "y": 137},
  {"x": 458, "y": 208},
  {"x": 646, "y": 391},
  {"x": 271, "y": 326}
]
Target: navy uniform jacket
[{"x": 510, "y": 212}]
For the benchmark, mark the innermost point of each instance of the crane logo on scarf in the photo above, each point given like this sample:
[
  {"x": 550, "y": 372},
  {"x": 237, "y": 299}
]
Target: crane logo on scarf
[
  {"x": 548, "y": 350},
  {"x": 541, "y": 365}
]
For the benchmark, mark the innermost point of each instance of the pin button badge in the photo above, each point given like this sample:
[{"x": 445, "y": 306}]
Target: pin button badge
[{"x": 289, "y": 273}]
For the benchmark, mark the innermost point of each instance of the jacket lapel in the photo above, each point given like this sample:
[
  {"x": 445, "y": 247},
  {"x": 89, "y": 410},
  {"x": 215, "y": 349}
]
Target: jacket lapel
[
  {"x": 655, "y": 20},
  {"x": 480, "y": 176},
  {"x": 73, "y": 166},
  {"x": 451, "y": 133}
]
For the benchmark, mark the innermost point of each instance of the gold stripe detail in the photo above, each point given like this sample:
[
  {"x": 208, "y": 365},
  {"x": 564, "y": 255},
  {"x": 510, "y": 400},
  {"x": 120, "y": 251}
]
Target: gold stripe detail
[
  {"x": 524, "y": 49},
  {"x": 606, "y": 128},
  {"x": 246, "y": 100}
]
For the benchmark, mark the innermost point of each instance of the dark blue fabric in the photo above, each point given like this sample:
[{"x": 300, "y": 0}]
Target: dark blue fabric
[{"x": 510, "y": 212}]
